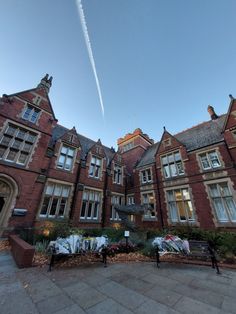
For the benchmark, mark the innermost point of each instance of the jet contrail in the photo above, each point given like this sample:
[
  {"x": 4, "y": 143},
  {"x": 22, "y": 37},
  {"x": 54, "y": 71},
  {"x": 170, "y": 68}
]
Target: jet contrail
[{"x": 89, "y": 48}]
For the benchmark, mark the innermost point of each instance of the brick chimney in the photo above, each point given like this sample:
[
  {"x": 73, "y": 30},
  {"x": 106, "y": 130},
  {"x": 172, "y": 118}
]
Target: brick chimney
[
  {"x": 212, "y": 113},
  {"x": 46, "y": 83}
]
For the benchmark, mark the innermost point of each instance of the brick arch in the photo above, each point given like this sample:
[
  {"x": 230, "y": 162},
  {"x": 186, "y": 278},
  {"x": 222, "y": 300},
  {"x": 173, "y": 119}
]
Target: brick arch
[{"x": 8, "y": 193}]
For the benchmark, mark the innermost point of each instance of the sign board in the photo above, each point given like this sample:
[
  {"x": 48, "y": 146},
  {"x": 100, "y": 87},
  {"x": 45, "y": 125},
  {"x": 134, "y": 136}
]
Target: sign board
[{"x": 127, "y": 234}]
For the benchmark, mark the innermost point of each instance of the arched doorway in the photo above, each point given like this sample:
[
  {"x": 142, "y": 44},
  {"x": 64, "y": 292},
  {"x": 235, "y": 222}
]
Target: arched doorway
[{"x": 8, "y": 193}]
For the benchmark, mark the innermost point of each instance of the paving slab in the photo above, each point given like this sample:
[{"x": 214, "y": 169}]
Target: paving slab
[
  {"x": 108, "y": 306},
  {"x": 187, "y": 305},
  {"x": 52, "y": 304}
]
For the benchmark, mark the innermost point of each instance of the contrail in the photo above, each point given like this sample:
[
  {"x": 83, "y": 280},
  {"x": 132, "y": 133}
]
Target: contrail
[{"x": 89, "y": 48}]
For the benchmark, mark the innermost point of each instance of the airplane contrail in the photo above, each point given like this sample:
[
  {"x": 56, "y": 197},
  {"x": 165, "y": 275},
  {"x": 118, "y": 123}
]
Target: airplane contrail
[{"x": 89, "y": 48}]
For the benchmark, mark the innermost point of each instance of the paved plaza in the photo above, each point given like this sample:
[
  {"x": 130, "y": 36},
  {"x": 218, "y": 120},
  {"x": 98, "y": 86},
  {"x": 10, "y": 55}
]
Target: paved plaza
[{"x": 120, "y": 288}]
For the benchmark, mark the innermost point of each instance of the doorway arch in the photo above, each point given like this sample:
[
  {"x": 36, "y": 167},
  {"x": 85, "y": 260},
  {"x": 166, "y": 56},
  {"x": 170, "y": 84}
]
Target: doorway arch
[{"x": 8, "y": 194}]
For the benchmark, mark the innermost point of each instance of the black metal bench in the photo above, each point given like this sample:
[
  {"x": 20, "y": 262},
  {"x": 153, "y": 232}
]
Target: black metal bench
[
  {"x": 58, "y": 256},
  {"x": 199, "y": 250}
]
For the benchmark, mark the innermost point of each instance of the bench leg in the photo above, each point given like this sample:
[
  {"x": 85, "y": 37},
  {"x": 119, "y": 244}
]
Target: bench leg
[
  {"x": 51, "y": 262},
  {"x": 104, "y": 257},
  {"x": 158, "y": 258},
  {"x": 215, "y": 265}
]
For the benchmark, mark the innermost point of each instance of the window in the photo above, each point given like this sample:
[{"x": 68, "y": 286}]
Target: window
[
  {"x": 16, "y": 144},
  {"x": 65, "y": 160},
  {"x": 55, "y": 201},
  {"x": 91, "y": 205},
  {"x": 172, "y": 165},
  {"x": 148, "y": 199},
  {"x": 117, "y": 178},
  {"x": 210, "y": 160},
  {"x": 146, "y": 175},
  {"x": 128, "y": 146},
  {"x": 130, "y": 200},
  {"x": 115, "y": 200},
  {"x": 31, "y": 114},
  {"x": 95, "y": 167},
  {"x": 223, "y": 201},
  {"x": 180, "y": 205}
]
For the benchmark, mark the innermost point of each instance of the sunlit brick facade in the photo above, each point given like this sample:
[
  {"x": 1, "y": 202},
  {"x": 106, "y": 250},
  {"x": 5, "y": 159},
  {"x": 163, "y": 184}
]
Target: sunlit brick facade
[{"x": 51, "y": 173}]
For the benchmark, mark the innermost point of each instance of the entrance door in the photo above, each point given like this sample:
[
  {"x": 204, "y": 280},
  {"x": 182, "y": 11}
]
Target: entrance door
[{"x": 5, "y": 202}]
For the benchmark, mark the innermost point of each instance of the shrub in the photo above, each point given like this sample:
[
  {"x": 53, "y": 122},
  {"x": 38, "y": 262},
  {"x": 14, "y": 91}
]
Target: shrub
[{"x": 41, "y": 247}]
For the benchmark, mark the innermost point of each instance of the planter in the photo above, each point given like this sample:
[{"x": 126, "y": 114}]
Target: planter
[{"x": 22, "y": 251}]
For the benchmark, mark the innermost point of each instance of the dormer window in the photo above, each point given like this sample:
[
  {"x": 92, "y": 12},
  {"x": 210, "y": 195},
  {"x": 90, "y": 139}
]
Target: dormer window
[
  {"x": 146, "y": 175},
  {"x": 65, "y": 160},
  {"x": 31, "y": 114},
  {"x": 117, "y": 177},
  {"x": 172, "y": 165},
  {"x": 95, "y": 167},
  {"x": 210, "y": 160}
]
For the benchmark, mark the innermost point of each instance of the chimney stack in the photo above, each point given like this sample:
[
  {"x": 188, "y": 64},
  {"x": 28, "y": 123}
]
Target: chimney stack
[
  {"x": 212, "y": 113},
  {"x": 46, "y": 83}
]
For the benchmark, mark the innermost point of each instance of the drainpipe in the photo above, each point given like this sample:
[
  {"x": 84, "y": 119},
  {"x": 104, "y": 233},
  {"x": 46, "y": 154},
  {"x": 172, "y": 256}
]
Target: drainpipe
[
  {"x": 74, "y": 197},
  {"x": 104, "y": 199},
  {"x": 159, "y": 197}
]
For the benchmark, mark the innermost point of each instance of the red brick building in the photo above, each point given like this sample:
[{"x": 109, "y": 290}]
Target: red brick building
[{"x": 49, "y": 172}]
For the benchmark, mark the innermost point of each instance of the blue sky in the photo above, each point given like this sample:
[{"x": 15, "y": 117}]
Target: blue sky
[{"x": 159, "y": 62}]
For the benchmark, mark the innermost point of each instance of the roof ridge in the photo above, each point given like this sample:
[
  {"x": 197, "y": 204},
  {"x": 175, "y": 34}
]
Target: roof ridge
[{"x": 200, "y": 124}]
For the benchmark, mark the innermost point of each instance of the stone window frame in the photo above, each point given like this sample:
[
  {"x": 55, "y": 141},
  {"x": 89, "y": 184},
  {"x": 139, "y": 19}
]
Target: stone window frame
[
  {"x": 114, "y": 164},
  {"x": 149, "y": 217},
  {"x": 113, "y": 214},
  {"x": 91, "y": 155},
  {"x": 35, "y": 108},
  {"x": 59, "y": 154},
  {"x": 206, "y": 151},
  {"x": 99, "y": 213},
  {"x": 141, "y": 175},
  {"x": 186, "y": 222},
  {"x": 126, "y": 147},
  {"x": 27, "y": 129},
  {"x": 68, "y": 203},
  {"x": 175, "y": 162},
  {"x": 233, "y": 193}
]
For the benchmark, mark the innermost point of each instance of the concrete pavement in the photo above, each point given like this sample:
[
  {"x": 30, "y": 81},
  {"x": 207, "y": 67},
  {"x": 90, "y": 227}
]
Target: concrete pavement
[{"x": 120, "y": 288}]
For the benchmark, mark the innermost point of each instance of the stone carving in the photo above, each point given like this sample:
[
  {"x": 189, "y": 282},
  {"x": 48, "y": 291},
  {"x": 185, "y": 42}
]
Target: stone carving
[{"x": 4, "y": 189}]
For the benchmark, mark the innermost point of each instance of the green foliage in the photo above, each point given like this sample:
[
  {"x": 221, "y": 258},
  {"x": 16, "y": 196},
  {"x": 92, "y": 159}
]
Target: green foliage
[
  {"x": 41, "y": 247},
  {"x": 148, "y": 250}
]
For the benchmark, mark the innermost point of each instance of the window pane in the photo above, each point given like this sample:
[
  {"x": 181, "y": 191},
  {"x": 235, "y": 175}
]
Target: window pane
[
  {"x": 61, "y": 161},
  {"x": 189, "y": 210},
  {"x": 83, "y": 209},
  {"x": 205, "y": 162},
  {"x": 49, "y": 189},
  {"x": 68, "y": 164},
  {"x": 71, "y": 152},
  {"x": 98, "y": 161},
  {"x": 97, "y": 171},
  {"x": 34, "y": 116},
  {"x": 30, "y": 138},
  {"x": 21, "y": 134},
  {"x": 90, "y": 206},
  {"x": 64, "y": 150},
  {"x": 224, "y": 189},
  {"x": 2, "y": 151},
  {"x": 167, "y": 171},
  {"x": 170, "y": 158},
  {"x": 178, "y": 195},
  {"x": 95, "y": 211},
  {"x": 91, "y": 196},
  {"x": 186, "y": 195},
  {"x": 16, "y": 144},
  {"x": 220, "y": 210},
  {"x": 57, "y": 190},
  {"x": 6, "y": 140},
  {"x": 214, "y": 159},
  {"x": 144, "y": 176},
  {"x": 11, "y": 130},
  {"x": 214, "y": 191},
  {"x": 62, "y": 207},
  {"x": 44, "y": 209},
  {"x": 27, "y": 113},
  {"x": 27, "y": 147},
  {"x": 22, "y": 158},
  {"x": 85, "y": 195},
  {"x": 182, "y": 214},
  {"x": 164, "y": 160},
  {"x": 11, "y": 155},
  {"x": 91, "y": 170},
  {"x": 180, "y": 168},
  {"x": 231, "y": 206},
  {"x": 53, "y": 207},
  {"x": 173, "y": 212},
  {"x": 177, "y": 156},
  {"x": 170, "y": 196},
  {"x": 173, "y": 170},
  {"x": 65, "y": 191}
]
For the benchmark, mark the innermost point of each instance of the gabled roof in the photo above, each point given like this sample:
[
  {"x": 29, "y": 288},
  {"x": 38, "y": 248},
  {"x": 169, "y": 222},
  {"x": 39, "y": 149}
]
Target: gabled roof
[
  {"x": 36, "y": 89},
  {"x": 86, "y": 143},
  {"x": 149, "y": 156},
  {"x": 201, "y": 135},
  {"x": 204, "y": 134}
]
